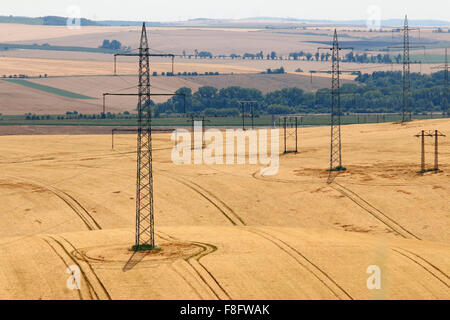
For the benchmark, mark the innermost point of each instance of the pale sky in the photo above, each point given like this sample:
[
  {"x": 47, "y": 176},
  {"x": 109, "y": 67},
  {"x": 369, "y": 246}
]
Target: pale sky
[{"x": 172, "y": 10}]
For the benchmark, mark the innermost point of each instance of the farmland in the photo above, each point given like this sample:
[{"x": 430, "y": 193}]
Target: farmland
[
  {"x": 69, "y": 199},
  {"x": 224, "y": 230}
]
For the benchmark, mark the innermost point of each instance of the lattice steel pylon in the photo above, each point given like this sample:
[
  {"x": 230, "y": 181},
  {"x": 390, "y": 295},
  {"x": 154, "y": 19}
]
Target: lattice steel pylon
[
  {"x": 336, "y": 138},
  {"x": 336, "y": 112},
  {"x": 406, "y": 74},
  {"x": 145, "y": 233},
  {"x": 406, "y": 101}
]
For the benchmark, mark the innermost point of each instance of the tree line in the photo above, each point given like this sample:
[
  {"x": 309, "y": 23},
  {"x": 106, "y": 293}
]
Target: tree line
[
  {"x": 301, "y": 55},
  {"x": 379, "y": 92}
]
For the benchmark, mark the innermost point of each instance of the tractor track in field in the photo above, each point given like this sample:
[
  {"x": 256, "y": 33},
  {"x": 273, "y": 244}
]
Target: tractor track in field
[
  {"x": 180, "y": 274},
  {"x": 107, "y": 296},
  {"x": 256, "y": 176},
  {"x": 49, "y": 240},
  {"x": 79, "y": 158},
  {"x": 167, "y": 237},
  {"x": 202, "y": 273},
  {"x": 74, "y": 204},
  {"x": 424, "y": 264},
  {"x": 306, "y": 263},
  {"x": 220, "y": 205},
  {"x": 81, "y": 211},
  {"x": 64, "y": 160},
  {"x": 66, "y": 263},
  {"x": 374, "y": 212}
]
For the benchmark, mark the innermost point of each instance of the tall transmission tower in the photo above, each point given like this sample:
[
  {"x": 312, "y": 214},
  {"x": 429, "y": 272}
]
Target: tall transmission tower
[
  {"x": 406, "y": 73},
  {"x": 446, "y": 95},
  {"x": 145, "y": 233},
  {"x": 336, "y": 138},
  {"x": 336, "y": 113},
  {"x": 406, "y": 103}
]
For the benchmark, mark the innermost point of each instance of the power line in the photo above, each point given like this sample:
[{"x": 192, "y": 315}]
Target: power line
[
  {"x": 252, "y": 105},
  {"x": 148, "y": 55},
  {"x": 134, "y": 94},
  {"x": 435, "y": 134},
  {"x": 145, "y": 231},
  {"x": 336, "y": 113},
  {"x": 406, "y": 105}
]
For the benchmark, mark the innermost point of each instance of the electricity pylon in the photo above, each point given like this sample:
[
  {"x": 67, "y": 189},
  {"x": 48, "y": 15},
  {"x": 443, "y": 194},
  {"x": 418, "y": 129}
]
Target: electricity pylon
[
  {"x": 406, "y": 103},
  {"x": 406, "y": 72},
  {"x": 336, "y": 138},
  {"x": 434, "y": 134},
  {"x": 252, "y": 104},
  {"x": 336, "y": 113},
  {"x": 145, "y": 233}
]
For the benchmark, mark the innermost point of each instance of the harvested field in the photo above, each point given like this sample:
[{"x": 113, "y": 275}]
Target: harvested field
[{"x": 227, "y": 232}]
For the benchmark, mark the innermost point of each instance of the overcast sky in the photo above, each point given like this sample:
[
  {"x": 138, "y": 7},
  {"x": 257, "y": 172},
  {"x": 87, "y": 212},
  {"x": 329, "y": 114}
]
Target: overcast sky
[{"x": 171, "y": 10}]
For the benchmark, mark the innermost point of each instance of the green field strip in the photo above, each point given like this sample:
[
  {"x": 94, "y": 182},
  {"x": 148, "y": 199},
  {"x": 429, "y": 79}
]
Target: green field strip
[{"x": 52, "y": 90}]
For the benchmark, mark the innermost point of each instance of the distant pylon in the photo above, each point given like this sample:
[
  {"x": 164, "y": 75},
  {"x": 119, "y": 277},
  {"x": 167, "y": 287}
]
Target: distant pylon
[
  {"x": 145, "y": 233},
  {"x": 336, "y": 140},
  {"x": 406, "y": 46},
  {"x": 406, "y": 74}
]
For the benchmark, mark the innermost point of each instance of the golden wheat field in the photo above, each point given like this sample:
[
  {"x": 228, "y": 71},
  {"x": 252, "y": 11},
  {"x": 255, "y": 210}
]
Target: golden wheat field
[{"x": 227, "y": 231}]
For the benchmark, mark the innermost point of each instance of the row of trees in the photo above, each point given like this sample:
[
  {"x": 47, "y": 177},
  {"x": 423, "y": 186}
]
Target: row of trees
[
  {"x": 302, "y": 55},
  {"x": 75, "y": 115},
  {"x": 380, "y": 92},
  {"x": 349, "y": 57},
  {"x": 250, "y": 56},
  {"x": 309, "y": 56},
  {"x": 365, "y": 58}
]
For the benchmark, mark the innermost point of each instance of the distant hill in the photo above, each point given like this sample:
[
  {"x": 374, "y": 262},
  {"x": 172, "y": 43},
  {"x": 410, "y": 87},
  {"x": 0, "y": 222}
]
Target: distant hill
[
  {"x": 387, "y": 22},
  {"x": 119, "y": 23},
  {"x": 45, "y": 21},
  {"x": 259, "y": 22},
  {"x": 262, "y": 22}
]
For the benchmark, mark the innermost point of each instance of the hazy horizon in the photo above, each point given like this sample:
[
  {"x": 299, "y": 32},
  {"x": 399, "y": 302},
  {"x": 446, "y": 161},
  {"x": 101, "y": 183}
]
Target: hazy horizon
[{"x": 178, "y": 10}]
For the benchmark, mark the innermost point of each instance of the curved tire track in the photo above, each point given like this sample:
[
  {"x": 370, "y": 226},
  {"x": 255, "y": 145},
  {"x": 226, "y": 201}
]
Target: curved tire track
[
  {"x": 66, "y": 263},
  {"x": 103, "y": 288},
  {"x": 75, "y": 205},
  {"x": 306, "y": 263},
  {"x": 424, "y": 264},
  {"x": 203, "y": 274},
  {"x": 59, "y": 246},
  {"x": 225, "y": 210},
  {"x": 376, "y": 213}
]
